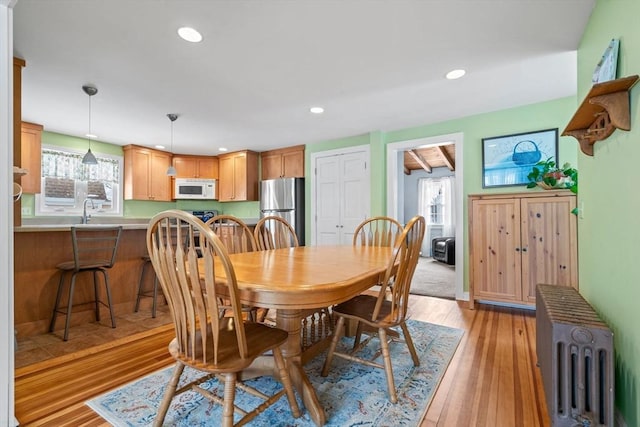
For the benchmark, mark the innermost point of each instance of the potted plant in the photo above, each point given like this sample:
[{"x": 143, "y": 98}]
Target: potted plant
[{"x": 547, "y": 175}]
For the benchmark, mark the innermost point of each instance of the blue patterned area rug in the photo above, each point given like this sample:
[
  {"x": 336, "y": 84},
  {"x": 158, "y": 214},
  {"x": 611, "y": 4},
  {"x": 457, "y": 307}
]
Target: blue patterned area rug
[{"x": 352, "y": 394}]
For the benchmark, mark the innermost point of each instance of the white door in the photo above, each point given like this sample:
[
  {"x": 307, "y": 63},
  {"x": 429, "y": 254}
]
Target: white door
[{"x": 342, "y": 196}]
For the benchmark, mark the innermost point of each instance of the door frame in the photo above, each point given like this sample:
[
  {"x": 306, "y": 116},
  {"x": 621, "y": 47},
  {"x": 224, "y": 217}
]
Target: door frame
[
  {"x": 394, "y": 166},
  {"x": 366, "y": 148}
]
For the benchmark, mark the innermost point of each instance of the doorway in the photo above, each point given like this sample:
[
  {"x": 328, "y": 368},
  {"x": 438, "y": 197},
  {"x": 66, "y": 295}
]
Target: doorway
[{"x": 395, "y": 197}]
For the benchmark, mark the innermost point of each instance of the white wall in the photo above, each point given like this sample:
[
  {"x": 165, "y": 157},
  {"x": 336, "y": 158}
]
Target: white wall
[{"x": 6, "y": 215}]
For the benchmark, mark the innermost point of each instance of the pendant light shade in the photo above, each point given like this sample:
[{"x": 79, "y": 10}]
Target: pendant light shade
[
  {"x": 89, "y": 158},
  {"x": 173, "y": 117}
]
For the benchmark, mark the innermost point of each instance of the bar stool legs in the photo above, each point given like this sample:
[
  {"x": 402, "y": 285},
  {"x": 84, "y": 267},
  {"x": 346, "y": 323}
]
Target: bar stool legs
[
  {"x": 142, "y": 292},
  {"x": 67, "y": 310}
]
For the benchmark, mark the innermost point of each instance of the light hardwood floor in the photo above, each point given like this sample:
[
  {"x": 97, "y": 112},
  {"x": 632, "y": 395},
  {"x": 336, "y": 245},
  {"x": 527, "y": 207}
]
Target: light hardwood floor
[{"x": 492, "y": 380}]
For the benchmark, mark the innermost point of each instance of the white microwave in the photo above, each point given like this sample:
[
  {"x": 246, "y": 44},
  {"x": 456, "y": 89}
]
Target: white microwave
[{"x": 195, "y": 188}]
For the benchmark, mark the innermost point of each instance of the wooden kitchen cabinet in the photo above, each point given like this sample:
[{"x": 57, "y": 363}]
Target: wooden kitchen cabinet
[
  {"x": 520, "y": 240},
  {"x": 196, "y": 166},
  {"x": 31, "y": 157},
  {"x": 283, "y": 163},
  {"x": 238, "y": 177},
  {"x": 145, "y": 174}
]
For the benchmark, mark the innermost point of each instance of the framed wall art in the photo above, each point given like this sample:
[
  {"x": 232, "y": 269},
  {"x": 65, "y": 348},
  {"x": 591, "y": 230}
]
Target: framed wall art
[
  {"x": 508, "y": 159},
  {"x": 607, "y": 67}
]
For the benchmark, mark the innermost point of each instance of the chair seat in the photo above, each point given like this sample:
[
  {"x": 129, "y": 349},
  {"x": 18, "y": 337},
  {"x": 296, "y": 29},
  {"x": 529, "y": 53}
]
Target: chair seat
[
  {"x": 361, "y": 308},
  {"x": 94, "y": 263},
  {"x": 260, "y": 338}
]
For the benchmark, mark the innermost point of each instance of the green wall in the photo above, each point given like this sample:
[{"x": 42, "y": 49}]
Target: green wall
[
  {"x": 608, "y": 235},
  {"x": 545, "y": 115}
]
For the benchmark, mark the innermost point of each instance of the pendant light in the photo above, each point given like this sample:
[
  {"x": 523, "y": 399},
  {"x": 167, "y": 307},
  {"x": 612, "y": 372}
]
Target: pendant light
[
  {"x": 172, "y": 171},
  {"x": 89, "y": 158}
]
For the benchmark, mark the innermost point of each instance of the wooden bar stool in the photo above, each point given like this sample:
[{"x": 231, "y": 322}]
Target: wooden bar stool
[
  {"x": 153, "y": 293},
  {"x": 94, "y": 250}
]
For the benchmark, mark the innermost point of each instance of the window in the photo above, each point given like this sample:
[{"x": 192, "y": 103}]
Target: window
[
  {"x": 436, "y": 202},
  {"x": 67, "y": 183}
]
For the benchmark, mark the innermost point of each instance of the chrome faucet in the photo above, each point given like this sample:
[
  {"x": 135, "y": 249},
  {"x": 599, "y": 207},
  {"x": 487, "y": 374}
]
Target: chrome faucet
[{"x": 85, "y": 217}]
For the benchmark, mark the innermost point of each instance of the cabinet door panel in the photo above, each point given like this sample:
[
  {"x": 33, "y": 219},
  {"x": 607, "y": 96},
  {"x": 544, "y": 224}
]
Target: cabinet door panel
[
  {"x": 159, "y": 181},
  {"x": 140, "y": 170},
  {"x": 186, "y": 167},
  {"x": 227, "y": 181},
  {"x": 31, "y": 153},
  {"x": 293, "y": 164},
  {"x": 496, "y": 249},
  {"x": 208, "y": 168},
  {"x": 549, "y": 243},
  {"x": 271, "y": 166},
  {"x": 240, "y": 174}
]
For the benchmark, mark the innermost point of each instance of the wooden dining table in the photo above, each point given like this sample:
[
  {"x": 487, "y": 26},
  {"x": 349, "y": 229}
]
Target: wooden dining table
[{"x": 295, "y": 279}]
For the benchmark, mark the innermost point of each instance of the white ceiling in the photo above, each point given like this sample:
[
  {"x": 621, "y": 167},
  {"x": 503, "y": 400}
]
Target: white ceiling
[{"x": 372, "y": 64}]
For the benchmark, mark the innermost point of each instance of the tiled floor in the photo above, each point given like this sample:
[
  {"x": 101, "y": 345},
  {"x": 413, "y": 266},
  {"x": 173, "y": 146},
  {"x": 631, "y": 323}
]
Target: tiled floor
[{"x": 42, "y": 347}]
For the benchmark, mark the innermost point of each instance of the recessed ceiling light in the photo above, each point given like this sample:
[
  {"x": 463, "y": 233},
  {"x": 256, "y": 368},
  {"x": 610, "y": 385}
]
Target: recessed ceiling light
[
  {"x": 160, "y": 147},
  {"x": 190, "y": 34},
  {"x": 455, "y": 74},
  {"x": 222, "y": 149},
  {"x": 316, "y": 110},
  {"x": 92, "y": 136}
]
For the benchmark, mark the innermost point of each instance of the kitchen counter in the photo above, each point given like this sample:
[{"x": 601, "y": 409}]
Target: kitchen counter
[
  {"x": 37, "y": 251},
  {"x": 64, "y": 227},
  {"x": 40, "y": 246}
]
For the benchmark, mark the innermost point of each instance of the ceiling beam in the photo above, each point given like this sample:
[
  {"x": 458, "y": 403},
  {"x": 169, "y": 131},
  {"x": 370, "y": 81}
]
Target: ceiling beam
[
  {"x": 421, "y": 161},
  {"x": 407, "y": 171},
  {"x": 451, "y": 164}
]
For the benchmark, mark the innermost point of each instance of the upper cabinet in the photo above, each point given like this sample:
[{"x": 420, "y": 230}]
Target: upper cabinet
[
  {"x": 145, "y": 174},
  {"x": 31, "y": 153},
  {"x": 196, "y": 166},
  {"x": 286, "y": 162},
  {"x": 238, "y": 180}
]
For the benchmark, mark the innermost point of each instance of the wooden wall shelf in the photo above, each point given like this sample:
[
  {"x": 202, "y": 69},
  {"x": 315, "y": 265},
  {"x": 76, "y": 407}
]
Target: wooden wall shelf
[{"x": 605, "y": 109}]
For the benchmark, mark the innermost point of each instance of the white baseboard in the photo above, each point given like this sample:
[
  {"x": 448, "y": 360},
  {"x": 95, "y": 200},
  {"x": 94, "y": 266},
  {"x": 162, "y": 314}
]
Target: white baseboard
[
  {"x": 618, "y": 420},
  {"x": 463, "y": 296}
]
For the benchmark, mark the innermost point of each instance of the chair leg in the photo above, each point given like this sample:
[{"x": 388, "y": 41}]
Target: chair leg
[
  {"x": 67, "y": 321},
  {"x": 356, "y": 340},
  {"x": 332, "y": 347},
  {"x": 169, "y": 392},
  {"x": 286, "y": 381},
  {"x": 155, "y": 296},
  {"x": 140, "y": 282},
  {"x": 54, "y": 316},
  {"x": 386, "y": 356},
  {"x": 229, "y": 397},
  {"x": 108, "y": 290},
  {"x": 409, "y": 341},
  {"x": 95, "y": 293}
]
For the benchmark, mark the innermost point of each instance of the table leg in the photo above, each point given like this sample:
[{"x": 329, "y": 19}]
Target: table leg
[{"x": 289, "y": 320}]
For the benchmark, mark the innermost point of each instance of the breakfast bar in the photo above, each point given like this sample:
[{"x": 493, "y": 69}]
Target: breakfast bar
[{"x": 39, "y": 248}]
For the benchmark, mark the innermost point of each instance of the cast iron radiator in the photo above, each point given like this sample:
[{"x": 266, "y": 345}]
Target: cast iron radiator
[{"x": 575, "y": 355}]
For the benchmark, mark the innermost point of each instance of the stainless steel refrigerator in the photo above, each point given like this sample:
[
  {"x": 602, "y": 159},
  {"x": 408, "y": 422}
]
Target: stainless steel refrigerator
[{"x": 284, "y": 197}]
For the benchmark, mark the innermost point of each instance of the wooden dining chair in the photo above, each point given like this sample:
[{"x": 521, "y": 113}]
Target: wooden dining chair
[
  {"x": 217, "y": 347},
  {"x": 236, "y": 237},
  {"x": 385, "y": 310},
  {"x": 273, "y": 232},
  {"x": 94, "y": 250},
  {"x": 234, "y": 233},
  {"x": 377, "y": 231}
]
